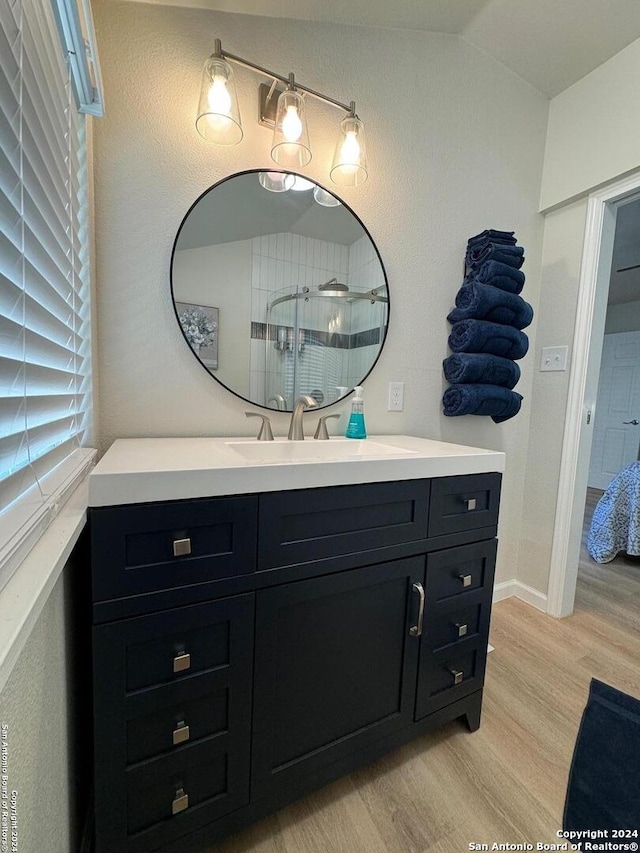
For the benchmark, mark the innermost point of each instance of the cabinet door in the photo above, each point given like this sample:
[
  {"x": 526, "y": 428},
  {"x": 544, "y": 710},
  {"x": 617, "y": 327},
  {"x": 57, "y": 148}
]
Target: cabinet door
[
  {"x": 172, "y": 722},
  {"x": 335, "y": 668}
]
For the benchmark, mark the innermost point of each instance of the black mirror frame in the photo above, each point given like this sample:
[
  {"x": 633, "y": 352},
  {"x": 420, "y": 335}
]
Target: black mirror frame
[{"x": 173, "y": 296}]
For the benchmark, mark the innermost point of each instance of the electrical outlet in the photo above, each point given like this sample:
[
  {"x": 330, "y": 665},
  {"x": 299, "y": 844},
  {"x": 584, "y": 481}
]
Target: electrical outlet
[{"x": 395, "y": 402}]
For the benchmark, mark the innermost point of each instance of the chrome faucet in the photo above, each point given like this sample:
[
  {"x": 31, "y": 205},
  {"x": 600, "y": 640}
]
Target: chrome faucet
[
  {"x": 296, "y": 431},
  {"x": 279, "y": 400}
]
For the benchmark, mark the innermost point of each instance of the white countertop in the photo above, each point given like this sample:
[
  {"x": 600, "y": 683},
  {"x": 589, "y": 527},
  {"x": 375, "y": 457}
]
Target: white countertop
[{"x": 138, "y": 470}]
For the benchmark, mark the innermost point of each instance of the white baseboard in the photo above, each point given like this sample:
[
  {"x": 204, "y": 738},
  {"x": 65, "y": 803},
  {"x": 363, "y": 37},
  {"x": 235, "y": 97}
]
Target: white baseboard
[{"x": 517, "y": 589}]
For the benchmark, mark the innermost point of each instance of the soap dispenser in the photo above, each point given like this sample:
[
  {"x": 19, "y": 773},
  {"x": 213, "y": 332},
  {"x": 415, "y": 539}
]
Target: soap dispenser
[{"x": 356, "y": 427}]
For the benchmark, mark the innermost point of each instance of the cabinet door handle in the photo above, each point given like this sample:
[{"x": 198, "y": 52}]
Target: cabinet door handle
[
  {"x": 457, "y": 676},
  {"x": 181, "y": 733},
  {"x": 180, "y": 802},
  {"x": 471, "y": 503},
  {"x": 181, "y": 547},
  {"x": 461, "y": 628},
  {"x": 182, "y": 662},
  {"x": 416, "y": 630},
  {"x": 466, "y": 580}
]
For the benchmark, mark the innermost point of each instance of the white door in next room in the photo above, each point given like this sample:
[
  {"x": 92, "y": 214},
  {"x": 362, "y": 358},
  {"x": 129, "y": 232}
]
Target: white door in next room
[{"x": 616, "y": 430}]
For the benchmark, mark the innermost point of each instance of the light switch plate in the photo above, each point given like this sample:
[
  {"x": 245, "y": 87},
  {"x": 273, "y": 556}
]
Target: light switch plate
[{"x": 554, "y": 358}]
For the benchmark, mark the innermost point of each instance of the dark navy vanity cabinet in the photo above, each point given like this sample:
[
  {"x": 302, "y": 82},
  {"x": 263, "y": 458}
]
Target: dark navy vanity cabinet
[{"x": 249, "y": 649}]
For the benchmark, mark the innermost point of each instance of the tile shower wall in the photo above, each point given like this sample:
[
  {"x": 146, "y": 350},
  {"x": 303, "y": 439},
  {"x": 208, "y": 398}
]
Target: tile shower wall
[
  {"x": 365, "y": 273},
  {"x": 283, "y": 262}
]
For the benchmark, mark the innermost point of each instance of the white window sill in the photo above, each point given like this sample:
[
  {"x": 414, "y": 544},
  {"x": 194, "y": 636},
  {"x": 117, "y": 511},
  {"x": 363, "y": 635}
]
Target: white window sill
[{"x": 25, "y": 594}]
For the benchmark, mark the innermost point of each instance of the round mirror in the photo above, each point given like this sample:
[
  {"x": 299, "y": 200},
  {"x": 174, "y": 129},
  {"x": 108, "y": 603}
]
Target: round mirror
[{"x": 279, "y": 290}]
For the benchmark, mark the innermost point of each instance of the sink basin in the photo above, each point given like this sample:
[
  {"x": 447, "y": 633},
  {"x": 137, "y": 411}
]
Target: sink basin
[{"x": 334, "y": 450}]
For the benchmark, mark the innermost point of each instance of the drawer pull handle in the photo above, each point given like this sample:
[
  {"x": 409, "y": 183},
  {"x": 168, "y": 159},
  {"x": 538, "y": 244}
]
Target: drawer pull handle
[
  {"x": 182, "y": 662},
  {"x": 180, "y": 802},
  {"x": 471, "y": 504},
  {"x": 416, "y": 630},
  {"x": 181, "y": 547},
  {"x": 457, "y": 676},
  {"x": 466, "y": 580},
  {"x": 461, "y": 628},
  {"x": 181, "y": 733}
]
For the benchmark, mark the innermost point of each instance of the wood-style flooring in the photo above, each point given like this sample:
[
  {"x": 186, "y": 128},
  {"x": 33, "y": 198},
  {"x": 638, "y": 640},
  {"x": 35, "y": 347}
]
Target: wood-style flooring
[{"x": 504, "y": 783}]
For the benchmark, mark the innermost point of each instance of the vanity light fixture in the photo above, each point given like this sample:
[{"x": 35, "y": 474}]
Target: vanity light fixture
[
  {"x": 218, "y": 118},
  {"x": 276, "y": 182},
  {"x": 325, "y": 199},
  {"x": 302, "y": 185}
]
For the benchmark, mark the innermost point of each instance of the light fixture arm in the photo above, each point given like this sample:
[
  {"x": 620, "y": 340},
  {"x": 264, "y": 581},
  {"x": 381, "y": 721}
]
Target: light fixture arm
[{"x": 288, "y": 80}]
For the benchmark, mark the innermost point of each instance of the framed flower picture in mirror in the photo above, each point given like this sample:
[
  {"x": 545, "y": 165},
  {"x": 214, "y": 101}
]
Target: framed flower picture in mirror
[{"x": 200, "y": 327}]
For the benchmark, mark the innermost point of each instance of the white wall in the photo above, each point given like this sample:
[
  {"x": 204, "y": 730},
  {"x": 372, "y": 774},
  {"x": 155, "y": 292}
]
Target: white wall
[
  {"x": 591, "y": 141},
  {"x": 455, "y": 144},
  {"x": 555, "y": 322},
  {"x": 593, "y": 132},
  {"x": 36, "y": 706},
  {"x": 623, "y": 317},
  {"x": 202, "y": 276}
]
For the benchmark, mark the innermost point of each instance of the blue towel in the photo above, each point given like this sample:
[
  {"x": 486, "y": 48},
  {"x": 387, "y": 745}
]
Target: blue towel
[
  {"x": 500, "y": 403},
  {"x": 476, "y": 301},
  {"x": 513, "y": 256},
  {"x": 499, "y": 275},
  {"x": 487, "y": 369},
  {"x": 603, "y": 792},
  {"x": 482, "y": 336},
  {"x": 493, "y": 236}
]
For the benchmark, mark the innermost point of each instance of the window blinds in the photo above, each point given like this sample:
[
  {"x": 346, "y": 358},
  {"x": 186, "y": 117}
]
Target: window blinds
[{"x": 44, "y": 284}]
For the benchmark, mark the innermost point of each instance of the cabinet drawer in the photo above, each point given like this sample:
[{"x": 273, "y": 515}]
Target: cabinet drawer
[
  {"x": 453, "y": 625},
  {"x": 139, "y": 704},
  {"x": 449, "y": 675},
  {"x": 163, "y": 797},
  {"x": 190, "y": 644},
  {"x": 301, "y": 526},
  {"x": 179, "y": 715},
  {"x": 464, "y": 503},
  {"x": 137, "y": 549},
  {"x": 458, "y": 571}
]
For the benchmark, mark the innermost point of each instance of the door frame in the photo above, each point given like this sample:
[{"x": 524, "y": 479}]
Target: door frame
[{"x": 593, "y": 289}]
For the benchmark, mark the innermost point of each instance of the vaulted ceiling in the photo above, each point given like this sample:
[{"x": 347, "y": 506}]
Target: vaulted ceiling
[{"x": 549, "y": 43}]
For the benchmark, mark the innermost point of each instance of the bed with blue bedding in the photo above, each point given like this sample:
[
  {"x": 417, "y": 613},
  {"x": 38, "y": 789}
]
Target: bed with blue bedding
[{"x": 615, "y": 525}]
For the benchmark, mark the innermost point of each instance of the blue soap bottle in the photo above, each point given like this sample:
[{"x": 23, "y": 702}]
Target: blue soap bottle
[{"x": 356, "y": 427}]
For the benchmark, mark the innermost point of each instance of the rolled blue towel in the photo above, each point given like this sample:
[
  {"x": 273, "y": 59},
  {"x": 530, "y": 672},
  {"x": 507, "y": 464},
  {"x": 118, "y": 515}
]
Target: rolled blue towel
[
  {"x": 466, "y": 367},
  {"x": 476, "y": 301},
  {"x": 513, "y": 256},
  {"x": 493, "y": 236},
  {"x": 499, "y": 275},
  {"x": 483, "y": 336},
  {"x": 500, "y": 403}
]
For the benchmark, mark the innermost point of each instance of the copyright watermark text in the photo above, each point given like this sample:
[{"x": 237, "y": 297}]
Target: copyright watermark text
[{"x": 8, "y": 799}]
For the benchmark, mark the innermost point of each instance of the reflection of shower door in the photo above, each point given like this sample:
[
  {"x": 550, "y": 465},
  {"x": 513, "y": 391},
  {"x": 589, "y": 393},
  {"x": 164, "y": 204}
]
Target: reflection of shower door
[
  {"x": 319, "y": 344},
  {"x": 615, "y": 435},
  {"x": 280, "y": 361}
]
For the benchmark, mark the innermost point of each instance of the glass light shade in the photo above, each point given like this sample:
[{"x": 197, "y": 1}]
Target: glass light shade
[
  {"x": 302, "y": 185},
  {"x": 349, "y": 167},
  {"x": 218, "y": 114},
  {"x": 290, "y": 147},
  {"x": 276, "y": 182},
  {"x": 326, "y": 199}
]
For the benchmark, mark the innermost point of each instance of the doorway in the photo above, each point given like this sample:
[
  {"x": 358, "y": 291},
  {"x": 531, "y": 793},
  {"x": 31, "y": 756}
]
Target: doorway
[
  {"x": 597, "y": 258},
  {"x": 616, "y": 427}
]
